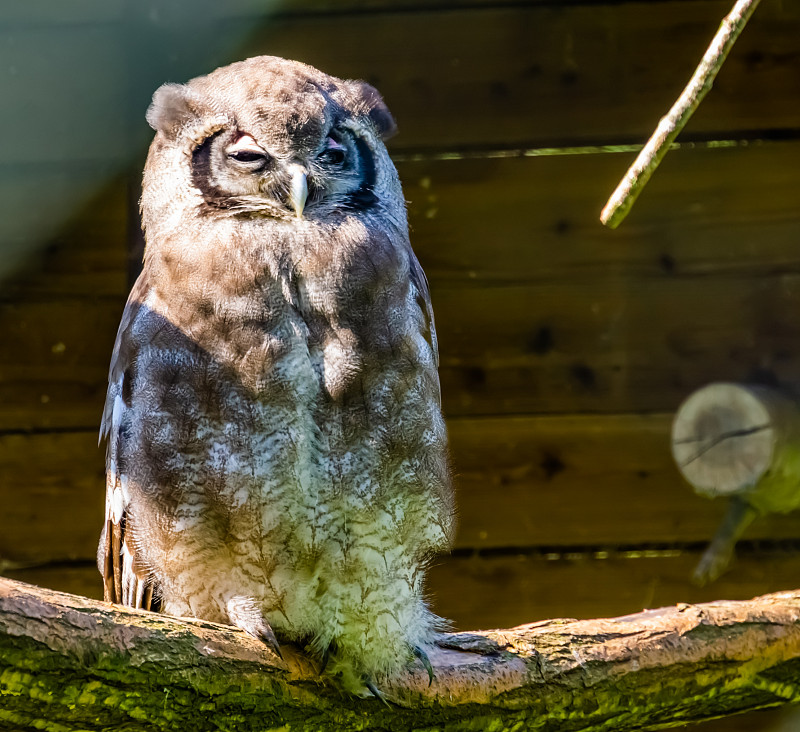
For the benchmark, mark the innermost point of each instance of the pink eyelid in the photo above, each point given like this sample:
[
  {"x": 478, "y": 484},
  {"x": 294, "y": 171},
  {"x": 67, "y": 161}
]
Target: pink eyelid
[
  {"x": 331, "y": 144},
  {"x": 246, "y": 142}
]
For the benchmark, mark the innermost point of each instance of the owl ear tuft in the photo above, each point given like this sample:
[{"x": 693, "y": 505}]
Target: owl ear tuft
[
  {"x": 375, "y": 108},
  {"x": 172, "y": 108}
]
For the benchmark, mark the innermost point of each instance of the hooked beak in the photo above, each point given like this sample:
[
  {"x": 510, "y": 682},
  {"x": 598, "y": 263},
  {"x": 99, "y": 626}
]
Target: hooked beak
[{"x": 298, "y": 189}]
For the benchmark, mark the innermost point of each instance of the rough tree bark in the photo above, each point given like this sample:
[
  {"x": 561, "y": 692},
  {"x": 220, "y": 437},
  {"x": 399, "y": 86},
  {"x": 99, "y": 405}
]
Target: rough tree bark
[{"x": 69, "y": 663}]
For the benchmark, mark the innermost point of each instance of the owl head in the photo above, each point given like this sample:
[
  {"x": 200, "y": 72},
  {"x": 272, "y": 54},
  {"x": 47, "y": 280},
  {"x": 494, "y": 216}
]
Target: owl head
[{"x": 267, "y": 139}]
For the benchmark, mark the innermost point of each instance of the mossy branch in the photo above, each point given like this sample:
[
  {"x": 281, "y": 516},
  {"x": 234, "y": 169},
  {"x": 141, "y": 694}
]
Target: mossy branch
[
  {"x": 69, "y": 663},
  {"x": 629, "y": 188}
]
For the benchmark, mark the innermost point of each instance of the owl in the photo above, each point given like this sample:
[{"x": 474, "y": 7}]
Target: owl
[{"x": 276, "y": 451}]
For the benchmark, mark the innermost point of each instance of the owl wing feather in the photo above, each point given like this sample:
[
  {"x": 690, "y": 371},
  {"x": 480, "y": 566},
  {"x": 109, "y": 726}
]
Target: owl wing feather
[
  {"x": 124, "y": 580},
  {"x": 420, "y": 283}
]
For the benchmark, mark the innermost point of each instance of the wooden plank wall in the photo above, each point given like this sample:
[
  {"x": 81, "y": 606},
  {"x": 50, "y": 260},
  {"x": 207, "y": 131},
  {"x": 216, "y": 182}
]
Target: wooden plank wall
[{"x": 565, "y": 348}]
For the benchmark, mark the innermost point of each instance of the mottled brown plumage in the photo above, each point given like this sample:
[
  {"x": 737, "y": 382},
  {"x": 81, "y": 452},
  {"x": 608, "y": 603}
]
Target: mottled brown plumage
[{"x": 276, "y": 449}]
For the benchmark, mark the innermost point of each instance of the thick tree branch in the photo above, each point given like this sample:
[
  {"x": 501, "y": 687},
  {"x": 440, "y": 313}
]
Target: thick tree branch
[
  {"x": 621, "y": 200},
  {"x": 69, "y": 663}
]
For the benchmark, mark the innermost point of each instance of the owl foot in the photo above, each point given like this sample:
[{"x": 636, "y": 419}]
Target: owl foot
[
  {"x": 326, "y": 656},
  {"x": 426, "y": 662},
  {"x": 244, "y": 613},
  {"x": 375, "y": 691},
  {"x": 267, "y": 636}
]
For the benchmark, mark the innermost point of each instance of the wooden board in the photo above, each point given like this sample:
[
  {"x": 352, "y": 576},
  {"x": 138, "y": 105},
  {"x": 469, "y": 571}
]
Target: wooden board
[
  {"x": 511, "y": 76},
  {"x": 586, "y": 480},
  {"x": 499, "y": 221},
  {"x": 615, "y": 345},
  {"x": 52, "y": 493},
  {"x": 547, "y": 75},
  {"x": 40, "y": 203},
  {"x": 57, "y": 13},
  {"x": 85, "y": 256},
  {"x": 500, "y": 592},
  {"x": 546, "y": 482},
  {"x": 539, "y": 311},
  {"x": 73, "y": 75},
  {"x": 493, "y": 221},
  {"x": 503, "y": 221},
  {"x": 54, "y": 361}
]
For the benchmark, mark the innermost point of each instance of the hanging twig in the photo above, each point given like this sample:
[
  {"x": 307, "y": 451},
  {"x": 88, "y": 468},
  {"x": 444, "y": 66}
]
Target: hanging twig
[{"x": 668, "y": 128}]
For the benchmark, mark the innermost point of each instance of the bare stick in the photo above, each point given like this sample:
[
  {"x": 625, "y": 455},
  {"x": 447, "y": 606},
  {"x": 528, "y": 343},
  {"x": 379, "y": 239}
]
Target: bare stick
[{"x": 639, "y": 173}]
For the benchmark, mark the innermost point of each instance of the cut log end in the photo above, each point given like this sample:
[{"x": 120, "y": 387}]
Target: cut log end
[
  {"x": 724, "y": 438},
  {"x": 741, "y": 440}
]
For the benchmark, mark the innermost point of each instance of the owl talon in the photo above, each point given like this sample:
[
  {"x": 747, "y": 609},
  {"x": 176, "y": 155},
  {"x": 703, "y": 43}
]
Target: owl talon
[
  {"x": 376, "y": 692},
  {"x": 244, "y": 613},
  {"x": 326, "y": 656},
  {"x": 271, "y": 642},
  {"x": 426, "y": 662}
]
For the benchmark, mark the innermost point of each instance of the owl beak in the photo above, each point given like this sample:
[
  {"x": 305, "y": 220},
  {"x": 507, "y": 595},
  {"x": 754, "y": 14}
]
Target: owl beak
[{"x": 298, "y": 190}]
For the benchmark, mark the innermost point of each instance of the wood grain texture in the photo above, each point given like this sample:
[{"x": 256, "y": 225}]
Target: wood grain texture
[
  {"x": 511, "y": 76},
  {"x": 86, "y": 255},
  {"x": 79, "y": 70},
  {"x": 81, "y": 662},
  {"x": 540, "y": 311},
  {"x": 504, "y": 221},
  {"x": 615, "y": 345},
  {"x": 52, "y": 494},
  {"x": 501, "y": 590},
  {"x": 576, "y": 481},
  {"x": 559, "y": 482},
  {"x": 54, "y": 361},
  {"x": 549, "y": 75}
]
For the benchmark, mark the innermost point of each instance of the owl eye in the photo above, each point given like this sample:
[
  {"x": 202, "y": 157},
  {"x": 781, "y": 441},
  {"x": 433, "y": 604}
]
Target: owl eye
[
  {"x": 334, "y": 153},
  {"x": 249, "y": 153},
  {"x": 247, "y": 156}
]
